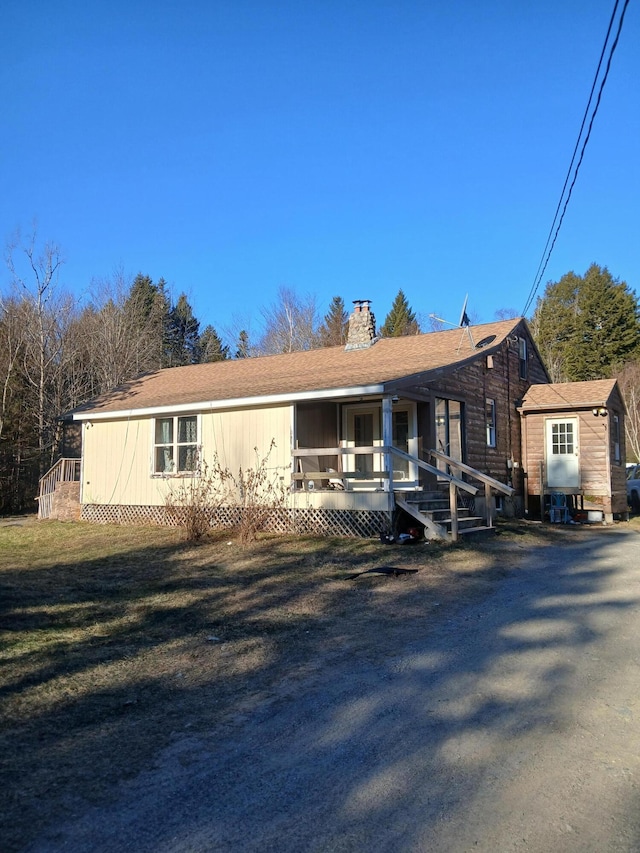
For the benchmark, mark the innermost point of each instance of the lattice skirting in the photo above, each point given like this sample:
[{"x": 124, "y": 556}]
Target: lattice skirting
[{"x": 326, "y": 522}]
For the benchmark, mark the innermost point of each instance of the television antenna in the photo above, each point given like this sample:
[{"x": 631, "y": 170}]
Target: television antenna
[{"x": 463, "y": 323}]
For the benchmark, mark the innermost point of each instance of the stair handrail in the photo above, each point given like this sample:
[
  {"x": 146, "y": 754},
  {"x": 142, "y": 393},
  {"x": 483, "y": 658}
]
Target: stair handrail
[
  {"x": 473, "y": 472},
  {"x": 460, "y": 484},
  {"x": 64, "y": 470},
  {"x": 489, "y": 482}
]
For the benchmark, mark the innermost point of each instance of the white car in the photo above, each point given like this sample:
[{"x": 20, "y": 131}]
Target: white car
[{"x": 633, "y": 487}]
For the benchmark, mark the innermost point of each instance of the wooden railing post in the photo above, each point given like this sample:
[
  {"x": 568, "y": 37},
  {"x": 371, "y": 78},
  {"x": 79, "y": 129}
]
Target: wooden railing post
[
  {"x": 453, "y": 506},
  {"x": 489, "y": 504},
  {"x": 387, "y": 441}
]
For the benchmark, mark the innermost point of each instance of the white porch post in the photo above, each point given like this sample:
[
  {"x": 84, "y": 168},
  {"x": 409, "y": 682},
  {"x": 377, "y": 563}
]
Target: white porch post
[
  {"x": 293, "y": 446},
  {"x": 387, "y": 440}
]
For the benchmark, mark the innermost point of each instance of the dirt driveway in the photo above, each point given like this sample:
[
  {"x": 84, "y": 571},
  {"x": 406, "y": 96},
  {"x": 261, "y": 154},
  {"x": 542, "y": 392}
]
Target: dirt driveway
[{"x": 507, "y": 722}]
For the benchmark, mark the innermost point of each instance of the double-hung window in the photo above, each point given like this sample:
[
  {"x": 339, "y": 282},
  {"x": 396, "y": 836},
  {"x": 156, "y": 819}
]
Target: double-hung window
[
  {"x": 490, "y": 410},
  {"x": 175, "y": 449}
]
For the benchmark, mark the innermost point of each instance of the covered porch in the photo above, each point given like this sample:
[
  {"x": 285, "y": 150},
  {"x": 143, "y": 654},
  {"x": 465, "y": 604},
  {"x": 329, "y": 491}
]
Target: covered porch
[{"x": 378, "y": 454}]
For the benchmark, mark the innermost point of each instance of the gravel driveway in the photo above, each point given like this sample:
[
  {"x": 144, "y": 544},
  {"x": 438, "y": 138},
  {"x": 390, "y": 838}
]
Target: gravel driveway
[{"x": 511, "y": 723}]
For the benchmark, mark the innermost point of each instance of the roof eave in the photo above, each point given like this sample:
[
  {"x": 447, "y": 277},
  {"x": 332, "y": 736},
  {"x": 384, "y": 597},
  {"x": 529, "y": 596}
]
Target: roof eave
[
  {"x": 233, "y": 403},
  {"x": 566, "y": 406}
]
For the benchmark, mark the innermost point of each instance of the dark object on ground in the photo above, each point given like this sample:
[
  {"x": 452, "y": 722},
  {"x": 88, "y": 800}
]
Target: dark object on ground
[{"x": 384, "y": 570}]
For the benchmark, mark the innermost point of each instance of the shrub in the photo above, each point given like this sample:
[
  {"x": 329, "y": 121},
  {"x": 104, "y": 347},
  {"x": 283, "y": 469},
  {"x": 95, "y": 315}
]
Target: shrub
[{"x": 256, "y": 492}]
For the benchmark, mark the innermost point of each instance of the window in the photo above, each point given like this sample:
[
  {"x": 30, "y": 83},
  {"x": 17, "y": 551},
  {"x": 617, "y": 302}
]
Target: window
[
  {"x": 562, "y": 439},
  {"x": 522, "y": 354},
  {"x": 400, "y": 440},
  {"x": 175, "y": 445},
  {"x": 490, "y": 410},
  {"x": 363, "y": 437},
  {"x": 449, "y": 430},
  {"x": 616, "y": 438}
]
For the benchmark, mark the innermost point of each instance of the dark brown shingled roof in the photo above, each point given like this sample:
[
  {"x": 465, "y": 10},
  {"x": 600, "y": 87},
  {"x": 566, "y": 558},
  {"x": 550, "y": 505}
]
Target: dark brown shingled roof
[
  {"x": 294, "y": 373},
  {"x": 568, "y": 394}
]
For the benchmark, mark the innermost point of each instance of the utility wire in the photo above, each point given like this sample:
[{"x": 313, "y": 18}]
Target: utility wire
[
  {"x": 575, "y": 150},
  {"x": 545, "y": 260}
]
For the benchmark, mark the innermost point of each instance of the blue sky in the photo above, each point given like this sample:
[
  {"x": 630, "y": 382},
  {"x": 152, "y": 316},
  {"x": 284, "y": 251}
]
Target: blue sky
[{"x": 334, "y": 148}]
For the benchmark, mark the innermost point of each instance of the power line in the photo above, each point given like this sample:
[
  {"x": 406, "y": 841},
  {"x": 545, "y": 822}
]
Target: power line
[{"x": 552, "y": 237}]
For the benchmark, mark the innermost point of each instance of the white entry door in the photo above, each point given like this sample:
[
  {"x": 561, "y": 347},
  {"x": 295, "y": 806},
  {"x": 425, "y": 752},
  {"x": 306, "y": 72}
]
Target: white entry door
[
  {"x": 362, "y": 429},
  {"x": 563, "y": 468}
]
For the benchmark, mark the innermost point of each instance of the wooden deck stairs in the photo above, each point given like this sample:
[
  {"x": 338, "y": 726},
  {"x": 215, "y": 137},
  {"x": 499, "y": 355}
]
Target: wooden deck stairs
[
  {"x": 65, "y": 471},
  {"x": 432, "y": 509},
  {"x": 447, "y": 514}
]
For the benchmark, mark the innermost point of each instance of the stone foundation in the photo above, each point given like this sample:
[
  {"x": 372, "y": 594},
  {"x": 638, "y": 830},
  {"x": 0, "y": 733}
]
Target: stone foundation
[{"x": 65, "y": 502}]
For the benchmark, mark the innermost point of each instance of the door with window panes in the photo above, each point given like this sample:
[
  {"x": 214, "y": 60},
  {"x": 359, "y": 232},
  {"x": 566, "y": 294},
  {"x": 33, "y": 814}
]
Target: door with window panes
[
  {"x": 362, "y": 429},
  {"x": 449, "y": 430},
  {"x": 563, "y": 469},
  {"x": 405, "y": 473}
]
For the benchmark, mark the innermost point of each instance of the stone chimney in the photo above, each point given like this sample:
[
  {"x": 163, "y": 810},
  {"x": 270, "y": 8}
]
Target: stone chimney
[{"x": 362, "y": 326}]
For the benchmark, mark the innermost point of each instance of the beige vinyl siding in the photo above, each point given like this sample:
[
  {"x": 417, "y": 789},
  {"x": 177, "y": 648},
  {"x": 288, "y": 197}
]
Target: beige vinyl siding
[
  {"x": 117, "y": 455},
  {"x": 233, "y": 435},
  {"x": 339, "y": 500},
  {"x": 116, "y": 465}
]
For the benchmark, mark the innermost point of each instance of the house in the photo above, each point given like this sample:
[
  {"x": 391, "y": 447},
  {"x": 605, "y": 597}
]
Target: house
[
  {"x": 358, "y": 431},
  {"x": 573, "y": 442}
]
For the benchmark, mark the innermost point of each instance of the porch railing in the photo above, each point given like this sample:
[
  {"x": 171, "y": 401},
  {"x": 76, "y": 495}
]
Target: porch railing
[
  {"x": 64, "y": 470},
  {"x": 385, "y": 476},
  {"x": 310, "y": 456},
  {"x": 488, "y": 482}
]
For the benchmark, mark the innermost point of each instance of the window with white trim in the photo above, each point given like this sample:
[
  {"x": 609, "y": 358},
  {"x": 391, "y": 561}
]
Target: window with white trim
[
  {"x": 490, "y": 415},
  {"x": 175, "y": 448}
]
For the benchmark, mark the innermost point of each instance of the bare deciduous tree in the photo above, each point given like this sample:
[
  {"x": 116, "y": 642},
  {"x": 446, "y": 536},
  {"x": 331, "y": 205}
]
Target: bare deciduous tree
[
  {"x": 506, "y": 314},
  {"x": 12, "y": 335},
  {"x": 291, "y": 324},
  {"x": 628, "y": 378},
  {"x": 35, "y": 273}
]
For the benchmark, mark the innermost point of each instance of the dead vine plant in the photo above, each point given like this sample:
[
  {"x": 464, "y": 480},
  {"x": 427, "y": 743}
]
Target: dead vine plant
[{"x": 256, "y": 494}]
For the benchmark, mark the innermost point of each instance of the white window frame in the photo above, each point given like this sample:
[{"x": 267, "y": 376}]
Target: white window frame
[
  {"x": 490, "y": 409},
  {"x": 175, "y": 446}
]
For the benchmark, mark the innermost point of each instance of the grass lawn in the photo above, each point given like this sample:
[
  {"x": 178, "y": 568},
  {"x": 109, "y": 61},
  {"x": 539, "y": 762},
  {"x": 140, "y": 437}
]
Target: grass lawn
[{"x": 117, "y": 640}]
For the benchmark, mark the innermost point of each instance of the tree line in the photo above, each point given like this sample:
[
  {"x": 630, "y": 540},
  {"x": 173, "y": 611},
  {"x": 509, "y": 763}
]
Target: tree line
[
  {"x": 588, "y": 327},
  {"x": 57, "y": 352}
]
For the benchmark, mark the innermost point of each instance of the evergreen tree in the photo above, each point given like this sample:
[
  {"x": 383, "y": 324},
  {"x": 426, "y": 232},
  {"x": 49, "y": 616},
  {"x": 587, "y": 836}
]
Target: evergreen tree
[
  {"x": 210, "y": 346},
  {"x": 183, "y": 335},
  {"x": 142, "y": 296},
  {"x": 334, "y": 328},
  {"x": 243, "y": 350},
  {"x": 147, "y": 307},
  {"x": 400, "y": 320},
  {"x": 586, "y": 325}
]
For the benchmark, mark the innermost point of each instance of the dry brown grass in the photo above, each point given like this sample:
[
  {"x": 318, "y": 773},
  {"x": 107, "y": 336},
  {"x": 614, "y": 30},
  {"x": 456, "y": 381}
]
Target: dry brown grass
[{"x": 116, "y": 640}]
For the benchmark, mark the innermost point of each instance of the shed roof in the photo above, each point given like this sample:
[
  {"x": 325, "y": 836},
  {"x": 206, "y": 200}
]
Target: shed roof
[
  {"x": 568, "y": 395},
  {"x": 330, "y": 369}
]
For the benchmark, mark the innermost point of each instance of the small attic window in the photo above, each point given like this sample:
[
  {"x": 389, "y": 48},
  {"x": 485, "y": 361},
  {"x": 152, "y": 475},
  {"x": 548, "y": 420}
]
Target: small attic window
[
  {"x": 485, "y": 342},
  {"x": 522, "y": 357}
]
